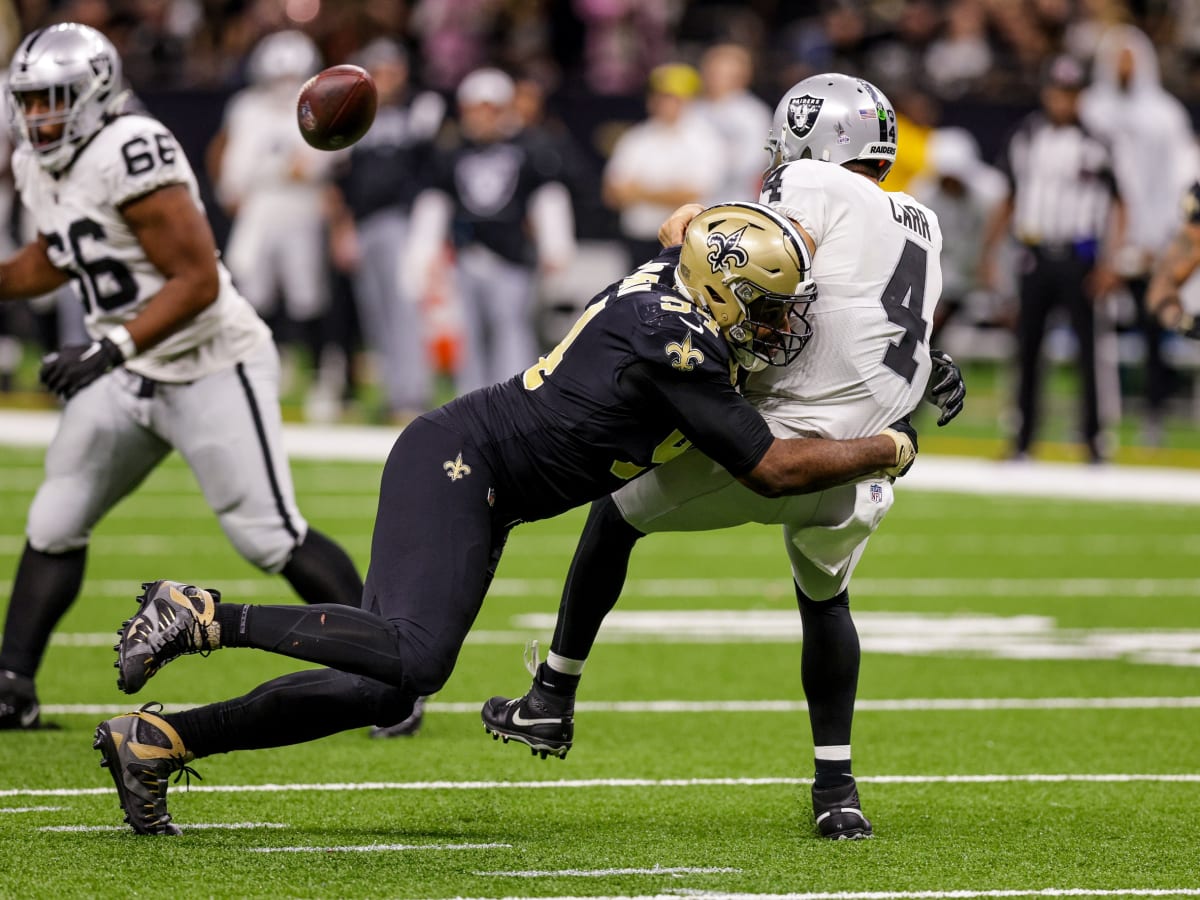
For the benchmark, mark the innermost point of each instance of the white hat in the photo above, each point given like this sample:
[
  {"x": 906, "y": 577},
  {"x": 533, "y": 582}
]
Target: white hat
[
  {"x": 486, "y": 86},
  {"x": 953, "y": 153}
]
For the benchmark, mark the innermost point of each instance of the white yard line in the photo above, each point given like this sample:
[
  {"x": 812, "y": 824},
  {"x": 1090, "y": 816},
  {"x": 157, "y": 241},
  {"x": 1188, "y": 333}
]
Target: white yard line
[
  {"x": 31, "y": 809},
  {"x": 677, "y": 893},
  {"x": 602, "y": 873},
  {"x": 934, "y": 704},
  {"x": 376, "y": 848},
  {"x": 698, "y": 587},
  {"x": 200, "y": 826},
  {"x": 608, "y": 783},
  {"x": 1137, "y": 484}
]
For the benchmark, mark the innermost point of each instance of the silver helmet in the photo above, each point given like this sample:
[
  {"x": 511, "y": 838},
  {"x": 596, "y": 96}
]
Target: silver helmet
[
  {"x": 66, "y": 74},
  {"x": 834, "y": 118}
]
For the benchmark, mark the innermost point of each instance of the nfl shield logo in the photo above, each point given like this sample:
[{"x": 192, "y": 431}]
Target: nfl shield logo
[
  {"x": 876, "y": 493},
  {"x": 802, "y": 114}
]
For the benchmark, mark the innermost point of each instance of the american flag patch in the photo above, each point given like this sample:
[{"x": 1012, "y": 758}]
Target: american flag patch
[
  {"x": 876, "y": 493},
  {"x": 866, "y": 114}
]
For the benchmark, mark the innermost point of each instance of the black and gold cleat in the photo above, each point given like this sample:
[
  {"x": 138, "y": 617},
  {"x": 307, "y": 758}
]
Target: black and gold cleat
[
  {"x": 19, "y": 710},
  {"x": 141, "y": 751},
  {"x": 173, "y": 619}
]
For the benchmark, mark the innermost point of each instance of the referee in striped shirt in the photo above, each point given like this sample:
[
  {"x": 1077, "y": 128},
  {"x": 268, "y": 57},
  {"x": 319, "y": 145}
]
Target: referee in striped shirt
[{"x": 1064, "y": 208}]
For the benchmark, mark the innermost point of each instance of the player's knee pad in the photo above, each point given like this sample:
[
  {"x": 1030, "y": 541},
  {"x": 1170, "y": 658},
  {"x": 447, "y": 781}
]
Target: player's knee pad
[
  {"x": 832, "y": 606},
  {"x": 386, "y": 704},
  {"x": 266, "y": 544},
  {"x": 60, "y": 519},
  {"x": 427, "y": 667}
]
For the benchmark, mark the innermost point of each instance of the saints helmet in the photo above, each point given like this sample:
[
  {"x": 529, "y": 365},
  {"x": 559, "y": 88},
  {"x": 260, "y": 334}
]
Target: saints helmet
[
  {"x": 76, "y": 72},
  {"x": 837, "y": 119},
  {"x": 749, "y": 267}
]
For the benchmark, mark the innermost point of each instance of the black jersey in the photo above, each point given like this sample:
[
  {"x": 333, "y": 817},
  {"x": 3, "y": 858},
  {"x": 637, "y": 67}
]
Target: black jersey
[
  {"x": 491, "y": 185},
  {"x": 641, "y": 376}
]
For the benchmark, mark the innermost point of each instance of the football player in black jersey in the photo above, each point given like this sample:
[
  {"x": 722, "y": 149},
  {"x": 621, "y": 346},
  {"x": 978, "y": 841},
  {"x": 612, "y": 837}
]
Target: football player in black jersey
[{"x": 649, "y": 368}]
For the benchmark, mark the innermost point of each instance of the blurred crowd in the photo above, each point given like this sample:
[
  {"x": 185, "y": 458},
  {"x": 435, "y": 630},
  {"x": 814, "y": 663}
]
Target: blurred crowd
[{"x": 525, "y": 152}]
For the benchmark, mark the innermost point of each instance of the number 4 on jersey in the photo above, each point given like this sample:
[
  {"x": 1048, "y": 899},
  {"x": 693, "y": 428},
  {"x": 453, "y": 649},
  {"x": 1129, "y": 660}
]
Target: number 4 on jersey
[{"x": 904, "y": 302}]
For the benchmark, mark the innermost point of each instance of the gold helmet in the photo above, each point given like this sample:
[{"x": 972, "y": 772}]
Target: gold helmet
[{"x": 750, "y": 268}]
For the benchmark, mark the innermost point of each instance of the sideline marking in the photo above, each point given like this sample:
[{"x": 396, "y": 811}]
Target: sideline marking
[
  {"x": 933, "y": 704},
  {"x": 331, "y": 787},
  {"x": 376, "y": 848}
]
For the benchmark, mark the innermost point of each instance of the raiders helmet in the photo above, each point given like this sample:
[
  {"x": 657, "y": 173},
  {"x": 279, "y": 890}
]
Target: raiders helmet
[
  {"x": 837, "y": 119},
  {"x": 749, "y": 267},
  {"x": 77, "y": 73}
]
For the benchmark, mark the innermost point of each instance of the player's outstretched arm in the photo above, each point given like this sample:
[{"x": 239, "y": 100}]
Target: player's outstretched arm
[
  {"x": 29, "y": 272},
  {"x": 1176, "y": 266},
  {"x": 804, "y": 465},
  {"x": 177, "y": 239}
]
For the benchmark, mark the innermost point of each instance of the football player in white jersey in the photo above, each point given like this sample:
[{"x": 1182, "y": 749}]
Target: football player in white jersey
[
  {"x": 876, "y": 266},
  {"x": 177, "y": 358}
]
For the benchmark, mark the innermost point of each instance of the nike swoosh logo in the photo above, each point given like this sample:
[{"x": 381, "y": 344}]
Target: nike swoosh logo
[
  {"x": 519, "y": 719},
  {"x": 695, "y": 328},
  {"x": 29, "y": 717}
]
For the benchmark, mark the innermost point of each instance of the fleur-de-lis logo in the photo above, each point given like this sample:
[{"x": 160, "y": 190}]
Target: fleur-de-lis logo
[
  {"x": 684, "y": 357},
  {"x": 726, "y": 249},
  {"x": 456, "y": 469}
]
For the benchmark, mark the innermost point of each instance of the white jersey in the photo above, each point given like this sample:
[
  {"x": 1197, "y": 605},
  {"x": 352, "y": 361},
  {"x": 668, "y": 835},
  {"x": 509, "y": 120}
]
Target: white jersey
[
  {"x": 878, "y": 274},
  {"x": 79, "y": 214}
]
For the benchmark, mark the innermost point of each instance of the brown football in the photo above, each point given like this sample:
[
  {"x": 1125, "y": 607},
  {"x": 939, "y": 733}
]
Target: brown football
[{"x": 336, "y": 107}]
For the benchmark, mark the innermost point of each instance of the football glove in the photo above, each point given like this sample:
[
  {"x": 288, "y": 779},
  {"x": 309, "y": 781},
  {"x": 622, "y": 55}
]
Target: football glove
[
  {"x": 75, "y": 366},
  {"x": 946, "y": 389},
  {"x": 1189, "y": 326},
  {"x": 905, "y": 436}
]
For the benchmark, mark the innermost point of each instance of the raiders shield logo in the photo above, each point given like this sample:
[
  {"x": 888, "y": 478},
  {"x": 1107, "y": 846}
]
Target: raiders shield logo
[{"x": 802, "y": 114}]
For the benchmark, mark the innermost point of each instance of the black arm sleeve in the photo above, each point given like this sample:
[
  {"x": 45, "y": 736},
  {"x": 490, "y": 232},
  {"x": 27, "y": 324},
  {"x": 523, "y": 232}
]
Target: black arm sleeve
[{"x": 714, "y": 417}]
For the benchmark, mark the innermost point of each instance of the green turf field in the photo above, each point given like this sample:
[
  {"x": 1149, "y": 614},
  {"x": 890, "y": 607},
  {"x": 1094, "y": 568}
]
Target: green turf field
[{"x": 1029, "y": 720}]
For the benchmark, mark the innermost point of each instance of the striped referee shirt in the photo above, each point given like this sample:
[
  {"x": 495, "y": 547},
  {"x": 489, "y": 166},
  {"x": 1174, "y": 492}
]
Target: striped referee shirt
[{"x": 1062, "y": 182}]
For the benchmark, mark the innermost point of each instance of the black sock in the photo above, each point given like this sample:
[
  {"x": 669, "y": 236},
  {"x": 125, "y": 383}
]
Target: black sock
[
  {"x": 557, "y": 683},
  {"x": 292, "y": 709},
  {"x": 829, "y": 665},
  {"x": 320, "y": 571},
  {"x": 45, "y": 586},
  {"x": 832, "y": 772},
  {"x": 594, "y": 580},
  {"x": 352, "y": 640}
]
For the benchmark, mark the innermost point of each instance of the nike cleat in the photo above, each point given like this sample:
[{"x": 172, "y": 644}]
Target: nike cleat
[
  {"x": 544, "y": 721},
  {"x": 19, "y": 710},
  {"x": 173, "y": 619},
  {"x": 406, "y": 728},
  {"x": 838, "y": 813},
  {"x": 141, "y": 751}
]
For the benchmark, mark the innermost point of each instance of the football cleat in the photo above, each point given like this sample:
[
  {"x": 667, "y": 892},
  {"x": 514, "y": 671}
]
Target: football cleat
[
  {"x": 19, "y": 708},
  {"x": 544, "y": 721},
  {"x": 173, "y": 619},
  {"x": 838, "y": 813},
  {"x": 406, "y": 728},
  {"x": 141, "y": 751}
]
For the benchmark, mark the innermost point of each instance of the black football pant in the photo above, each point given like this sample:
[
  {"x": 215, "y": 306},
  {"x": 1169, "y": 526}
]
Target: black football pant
[
  {"x": 1158, "y": 373},
  {"x": 435, "y": 548},
  {"x": 1055, "y": 278}
]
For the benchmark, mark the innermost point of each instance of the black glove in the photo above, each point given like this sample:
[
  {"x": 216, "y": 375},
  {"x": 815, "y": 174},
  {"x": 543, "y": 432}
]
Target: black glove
[
  {"x": 946, "y": 389},
  {"x": 74, "y": 367},
  {"x": 902, "y": 432}
]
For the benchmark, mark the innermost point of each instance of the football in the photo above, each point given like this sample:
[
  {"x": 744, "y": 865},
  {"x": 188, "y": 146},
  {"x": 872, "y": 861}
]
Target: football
[{"x": 336, "y": 107}]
